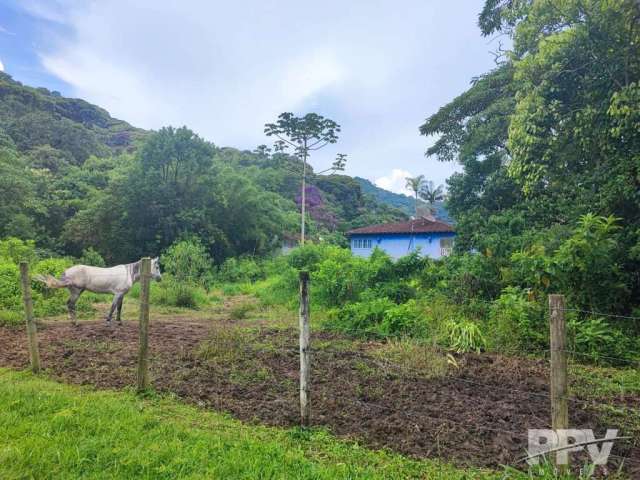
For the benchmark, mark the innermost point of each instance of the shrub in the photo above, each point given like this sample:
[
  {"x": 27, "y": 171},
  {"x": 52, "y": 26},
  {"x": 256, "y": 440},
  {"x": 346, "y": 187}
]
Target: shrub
[
  {"x": 465, "y": 336},
  {"x": 178, "y": 294},
  {"x": 397, "y": 291},
  {"x": 516, "y": 323},
  {"x": 401, "y": 320},
  {"x": 240, "y": 311},
  {"x": 91, "y": 257},
  {"x": 172, "y": 293},
  {"x": 308, "y": 256},
  {"x": 362, "y": 318},
  {"x": 10, "y": 293},
  {"x": 14, "y": 250},
  {"x": 186, "y": 296},
  {"x": 410, "y": 265},
  {"x": 463, "y": 277},
  {"x": 280, "y": 289},
  {"x": 340, "y": 278},
  {"x": 243, "y": 269},
  {"x": 599, "y": 341},
  {"x": 188, "y": 262}
]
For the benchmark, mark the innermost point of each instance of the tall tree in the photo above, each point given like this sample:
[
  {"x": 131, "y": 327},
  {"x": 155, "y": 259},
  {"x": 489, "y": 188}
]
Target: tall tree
[
  {"x": 431, "y": 193},
  {"x": 415, "y": 184},
  {"x": 552, "y": 133},
  {"x": 305, "y": 134}
]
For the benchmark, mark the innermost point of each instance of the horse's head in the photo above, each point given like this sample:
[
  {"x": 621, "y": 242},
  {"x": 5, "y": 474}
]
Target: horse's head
[{"x": 155, "y": 269}]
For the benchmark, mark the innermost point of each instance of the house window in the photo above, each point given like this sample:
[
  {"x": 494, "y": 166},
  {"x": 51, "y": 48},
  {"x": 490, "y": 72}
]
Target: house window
[
  {"x": 362, "y": 243},
  {"x": 446, "y": 246}
]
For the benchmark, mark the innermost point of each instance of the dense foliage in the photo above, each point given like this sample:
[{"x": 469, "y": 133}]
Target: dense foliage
[
  {"x": 548, "y": 200},
  {"x": 550, "y": 141},
  {"x": 73, "y": 178}
]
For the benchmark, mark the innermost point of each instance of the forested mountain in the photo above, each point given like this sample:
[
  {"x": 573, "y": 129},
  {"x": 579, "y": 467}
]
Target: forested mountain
[
  {"x": 52, "y": 128},
  {"x": 396, "y": 200},
  {"x": 73, "y": 177},
  {"x": 400, "y": 201}
]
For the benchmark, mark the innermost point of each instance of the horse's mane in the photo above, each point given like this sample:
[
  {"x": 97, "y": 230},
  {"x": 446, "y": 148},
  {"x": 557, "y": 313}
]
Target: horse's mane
[{"x": 134, "y": 270}]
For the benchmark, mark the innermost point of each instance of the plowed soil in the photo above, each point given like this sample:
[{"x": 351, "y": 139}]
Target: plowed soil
[{"x": 478, "y": 414}]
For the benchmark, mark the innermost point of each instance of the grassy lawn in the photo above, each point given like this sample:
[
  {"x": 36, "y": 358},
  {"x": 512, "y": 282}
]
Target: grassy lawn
[{"x": 51, "y": 430}]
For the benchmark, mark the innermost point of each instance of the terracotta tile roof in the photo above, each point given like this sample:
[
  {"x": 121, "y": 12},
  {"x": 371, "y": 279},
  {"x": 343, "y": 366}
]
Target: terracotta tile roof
[{"x": 419, "y": 225}]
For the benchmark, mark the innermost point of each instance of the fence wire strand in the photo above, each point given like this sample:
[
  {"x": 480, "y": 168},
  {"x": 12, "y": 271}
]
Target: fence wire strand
[
  {"x": 599, "y": 314},
  {"x": 387, "y": 368}
]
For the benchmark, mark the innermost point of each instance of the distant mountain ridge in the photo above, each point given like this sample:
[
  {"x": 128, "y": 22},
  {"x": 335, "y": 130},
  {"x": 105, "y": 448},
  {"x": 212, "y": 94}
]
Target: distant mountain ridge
[{"x": 400, "y": 201}]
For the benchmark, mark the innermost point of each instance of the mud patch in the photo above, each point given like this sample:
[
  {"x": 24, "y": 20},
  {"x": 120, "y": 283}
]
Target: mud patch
[{"x": 478, "y": 414}]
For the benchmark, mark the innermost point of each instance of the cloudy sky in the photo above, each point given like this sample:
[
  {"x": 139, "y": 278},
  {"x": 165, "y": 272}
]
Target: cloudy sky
[{"x": 224, "y": 69}]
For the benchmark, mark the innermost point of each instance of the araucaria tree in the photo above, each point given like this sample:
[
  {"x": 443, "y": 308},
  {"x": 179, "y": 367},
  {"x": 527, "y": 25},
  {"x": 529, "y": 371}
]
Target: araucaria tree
[{"x": 305, "y": 135}]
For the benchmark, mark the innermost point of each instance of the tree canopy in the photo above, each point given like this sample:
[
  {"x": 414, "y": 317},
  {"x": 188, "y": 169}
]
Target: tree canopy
[{"x": 551, "y": 135}]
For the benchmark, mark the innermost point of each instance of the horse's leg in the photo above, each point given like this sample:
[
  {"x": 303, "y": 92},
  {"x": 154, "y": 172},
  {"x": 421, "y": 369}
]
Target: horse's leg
[
  {"x": 114, "y": 303},
  {"x": 74, "y": 294},
  {"x": 119, "y": 307}
]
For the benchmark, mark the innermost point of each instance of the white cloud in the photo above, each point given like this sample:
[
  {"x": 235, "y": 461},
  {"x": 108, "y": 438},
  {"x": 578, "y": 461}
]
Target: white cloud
[
  {"x": 1, "y": 66},
  {"x": 226, "y": 68},
  {"x": 395, "y": 182},
  {"x": 49, "y": 10}
]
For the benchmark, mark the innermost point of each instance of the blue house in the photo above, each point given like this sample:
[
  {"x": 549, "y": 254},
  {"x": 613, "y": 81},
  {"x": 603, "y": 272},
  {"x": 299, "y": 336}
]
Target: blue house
[{"x": 432, "y": 237}]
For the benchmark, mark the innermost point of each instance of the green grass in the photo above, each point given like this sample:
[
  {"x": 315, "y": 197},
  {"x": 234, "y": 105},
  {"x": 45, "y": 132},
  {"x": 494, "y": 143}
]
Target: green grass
[
  {"x": 596, "y": 382},
  {"x": 50, "y": 430}
]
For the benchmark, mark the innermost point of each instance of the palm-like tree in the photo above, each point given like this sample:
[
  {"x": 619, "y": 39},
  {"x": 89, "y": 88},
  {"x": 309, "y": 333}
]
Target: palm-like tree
[
  {"x": 430, "y": 193},
  {"x": 415, "y": 184}
]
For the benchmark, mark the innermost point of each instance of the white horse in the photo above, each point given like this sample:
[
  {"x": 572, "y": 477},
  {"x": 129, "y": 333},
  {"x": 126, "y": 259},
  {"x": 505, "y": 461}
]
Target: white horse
[{"x": 117, "y": 280}]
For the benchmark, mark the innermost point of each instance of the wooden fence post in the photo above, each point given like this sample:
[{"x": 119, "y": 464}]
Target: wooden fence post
[
  {"x": 305, "y": 367},
  {"x": 32, "y": 335},
  {"x": 559, "y": 389},
  {"x": 143, "y": 352}
]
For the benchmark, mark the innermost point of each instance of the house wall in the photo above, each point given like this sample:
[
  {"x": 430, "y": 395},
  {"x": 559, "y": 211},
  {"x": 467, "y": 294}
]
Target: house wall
[{"x": 399, "y": 245}]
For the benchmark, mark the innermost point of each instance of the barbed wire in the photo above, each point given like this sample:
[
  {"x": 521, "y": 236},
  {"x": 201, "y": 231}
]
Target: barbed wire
[
  {"x": 600, "y": 314},
  {"x": 598, "y": 356}
]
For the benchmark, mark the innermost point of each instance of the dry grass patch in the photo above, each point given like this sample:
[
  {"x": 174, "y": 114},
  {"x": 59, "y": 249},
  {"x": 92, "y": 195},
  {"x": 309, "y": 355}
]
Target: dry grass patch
[
  {"x": 226, "y": 345},
  {"x": 408, "y": 357}
]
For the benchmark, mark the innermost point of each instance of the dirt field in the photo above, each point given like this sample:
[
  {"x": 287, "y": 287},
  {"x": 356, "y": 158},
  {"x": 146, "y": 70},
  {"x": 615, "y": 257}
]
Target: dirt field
[{"x": 253, "y": 376}]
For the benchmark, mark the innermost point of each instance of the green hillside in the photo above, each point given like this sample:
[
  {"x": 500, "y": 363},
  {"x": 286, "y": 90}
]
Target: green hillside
[
  {"x": 47, "y": 126},
  {"x": 73, "y": 177},
  {"x": 398, "y": 200}
]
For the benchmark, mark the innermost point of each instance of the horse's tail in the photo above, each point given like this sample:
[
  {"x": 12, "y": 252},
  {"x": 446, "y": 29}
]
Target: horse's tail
[{"x": 50, "y": 281}]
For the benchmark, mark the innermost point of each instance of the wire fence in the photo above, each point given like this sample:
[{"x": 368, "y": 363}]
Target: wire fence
[{"x": 411, "y": 375}]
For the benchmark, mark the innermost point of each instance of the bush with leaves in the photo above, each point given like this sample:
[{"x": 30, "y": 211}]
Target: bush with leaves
[
  {"x": 14, "y": 250},
  {"x": 360, "y": 318},
  {"x": 516, "y": 323},
  {"x": 172, "y": 293},
  {"x": 598, "y": 340},
  {"x": 241, "y": 269},
  {"x": 465, "y": 336},
  {"x": 403, "y": 320},
  {"x": 91, "y": 257},
  {"x": 463, "y": 277},
  {"x": 187, "y": 261}
]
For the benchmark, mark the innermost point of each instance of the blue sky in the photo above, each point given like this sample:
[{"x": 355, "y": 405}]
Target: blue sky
[{"x": 378, "y": 68}]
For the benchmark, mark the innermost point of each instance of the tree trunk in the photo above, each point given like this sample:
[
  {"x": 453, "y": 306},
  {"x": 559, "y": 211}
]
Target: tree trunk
[{"x": 304, "y": 195}]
